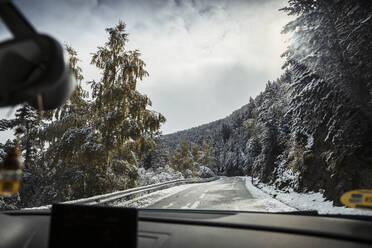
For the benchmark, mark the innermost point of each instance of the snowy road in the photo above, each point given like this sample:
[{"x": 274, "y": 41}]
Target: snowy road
[
  {"x": 213, "y": 195},
  {"x": 228, "y": 193}
]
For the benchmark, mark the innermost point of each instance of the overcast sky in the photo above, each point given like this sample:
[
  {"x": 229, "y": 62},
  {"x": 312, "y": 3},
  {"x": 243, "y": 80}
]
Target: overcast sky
[{"x": 205, "y": 58}]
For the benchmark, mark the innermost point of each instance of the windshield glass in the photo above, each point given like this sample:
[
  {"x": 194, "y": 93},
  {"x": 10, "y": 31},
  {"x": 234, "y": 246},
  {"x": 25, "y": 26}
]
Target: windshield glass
[{"x": 259, "y": 105}]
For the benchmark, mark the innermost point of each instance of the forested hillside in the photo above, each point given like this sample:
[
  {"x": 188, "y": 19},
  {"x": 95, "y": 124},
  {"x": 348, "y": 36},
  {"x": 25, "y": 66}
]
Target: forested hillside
[{"x": 311, "y": 129}]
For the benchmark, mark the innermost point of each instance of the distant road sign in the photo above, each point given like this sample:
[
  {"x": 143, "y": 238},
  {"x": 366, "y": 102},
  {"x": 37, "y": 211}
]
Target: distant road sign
[{"x": 360, "y": 198}]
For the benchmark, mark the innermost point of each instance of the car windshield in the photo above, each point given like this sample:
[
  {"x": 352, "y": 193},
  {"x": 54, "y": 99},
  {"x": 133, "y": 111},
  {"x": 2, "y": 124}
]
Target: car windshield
[{"x": 256, "y": 105}]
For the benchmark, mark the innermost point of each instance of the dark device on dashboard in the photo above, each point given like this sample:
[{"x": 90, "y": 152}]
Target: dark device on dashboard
[{"x": 92, "y": 226}]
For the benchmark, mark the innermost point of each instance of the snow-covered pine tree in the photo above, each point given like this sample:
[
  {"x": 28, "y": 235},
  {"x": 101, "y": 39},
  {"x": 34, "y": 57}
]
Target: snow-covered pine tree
[
  {"x": 329, "y": 38},
  {"x": 329, "y": 68},
  {"x": 121, "y": 118},
  {"x": 29, "y": 119}
]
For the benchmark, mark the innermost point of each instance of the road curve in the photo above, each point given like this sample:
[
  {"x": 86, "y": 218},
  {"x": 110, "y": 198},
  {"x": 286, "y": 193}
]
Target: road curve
[{"x": 225, "y": 193}]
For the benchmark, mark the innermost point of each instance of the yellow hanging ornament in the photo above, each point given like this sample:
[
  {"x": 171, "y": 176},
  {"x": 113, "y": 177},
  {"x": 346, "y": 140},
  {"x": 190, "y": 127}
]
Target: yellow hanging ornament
[{"x": 11, "y": 169}]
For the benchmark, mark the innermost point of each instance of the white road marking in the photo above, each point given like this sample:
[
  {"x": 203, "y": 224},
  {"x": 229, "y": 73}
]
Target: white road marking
[
  {"x": 169, "y": 205},
  {"x": 195, "y": 205},
  {"x": 202, "y": 196},
  {"x": 187, "y": 205}
]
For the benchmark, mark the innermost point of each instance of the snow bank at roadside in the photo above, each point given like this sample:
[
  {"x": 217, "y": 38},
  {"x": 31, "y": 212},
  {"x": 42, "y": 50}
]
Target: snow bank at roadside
[
  {"x": 158, "y": 175},
  {"x": 300, "y": 201},
  {"x": 269, "y": 203}
]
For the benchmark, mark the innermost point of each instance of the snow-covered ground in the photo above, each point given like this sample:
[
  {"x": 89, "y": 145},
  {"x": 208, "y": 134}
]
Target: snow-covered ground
[
  {"x": 166, "y": 173},
  {"x": 158, "y": 175},
  {"x": 300, "y": 201}
]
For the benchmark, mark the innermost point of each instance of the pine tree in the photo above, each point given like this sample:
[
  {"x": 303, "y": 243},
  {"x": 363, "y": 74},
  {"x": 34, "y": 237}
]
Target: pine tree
[
  {"x": 195, "y": 151},
  {"x": 207, "y": 159},
  {"x": 30, "y": 120},
  {"x": 332, "y": 39},
  {"x": 123, "y": 124},
  {"x": 6, "y": 124},
  {"x": 158, "y": 156},
  {"x": 182, "y": 159},
  {"x": 225, "y": 131},
  {"x": 120, "y": 110},
  {"x": 196, "y": 156}
]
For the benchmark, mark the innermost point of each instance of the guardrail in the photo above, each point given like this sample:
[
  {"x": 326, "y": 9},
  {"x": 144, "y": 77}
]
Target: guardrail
[{"x": 100, "y": 199}]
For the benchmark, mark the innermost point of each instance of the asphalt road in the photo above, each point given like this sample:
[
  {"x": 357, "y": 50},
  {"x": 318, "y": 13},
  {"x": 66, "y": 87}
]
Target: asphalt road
[{"x": 226, "y": 193}]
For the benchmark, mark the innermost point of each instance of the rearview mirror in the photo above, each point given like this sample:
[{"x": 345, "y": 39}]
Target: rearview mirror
[
  {"x": 32, "y": 66},
  {"x": 34, "y": 70}
]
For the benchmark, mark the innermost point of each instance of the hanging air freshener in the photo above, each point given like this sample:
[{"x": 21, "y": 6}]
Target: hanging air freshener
[{"x": 11, "y": 170}]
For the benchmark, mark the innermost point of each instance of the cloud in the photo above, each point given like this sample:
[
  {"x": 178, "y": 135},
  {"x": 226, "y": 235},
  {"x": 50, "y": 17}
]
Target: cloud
[{"x": 205, "y": 58}]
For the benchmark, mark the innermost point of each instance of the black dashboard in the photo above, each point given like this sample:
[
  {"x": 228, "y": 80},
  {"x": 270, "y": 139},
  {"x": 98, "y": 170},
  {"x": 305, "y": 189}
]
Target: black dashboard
[{"x": 202, "y": 228}]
